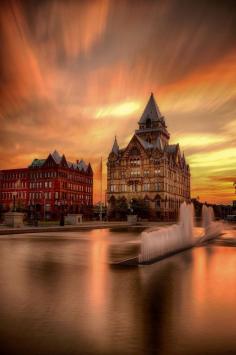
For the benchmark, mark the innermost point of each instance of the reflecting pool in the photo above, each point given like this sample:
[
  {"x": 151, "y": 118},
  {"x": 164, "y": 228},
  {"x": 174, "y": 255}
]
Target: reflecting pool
[{"x": 60, "y": 295}]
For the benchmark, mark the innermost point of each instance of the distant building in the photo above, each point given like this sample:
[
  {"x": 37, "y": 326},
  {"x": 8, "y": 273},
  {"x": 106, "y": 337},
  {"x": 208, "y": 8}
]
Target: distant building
[
  {"x": 48, "y": 184},
  {"x": 149, "y": 168},
  {"x": 234, "y": 205}
]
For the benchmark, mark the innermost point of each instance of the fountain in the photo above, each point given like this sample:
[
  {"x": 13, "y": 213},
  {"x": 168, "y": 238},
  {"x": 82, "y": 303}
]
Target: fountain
[
  {"x": 211, "y": 228},
  {"x": 157, "y": 244},
  {"x": 160, "y": 243}
]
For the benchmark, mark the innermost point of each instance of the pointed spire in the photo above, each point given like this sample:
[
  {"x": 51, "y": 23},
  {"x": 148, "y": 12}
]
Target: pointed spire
[
  {"x": 56, "y": 156},
  {"x": 115, "y": 148},
  {"x": 63, "y": 161},
  {"x": 151, "y": 111},
  {"x": 89, "y": 169}
]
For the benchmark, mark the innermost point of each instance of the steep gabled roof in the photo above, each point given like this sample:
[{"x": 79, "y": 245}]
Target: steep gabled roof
[
  {"x": 49, "y": 162},
  {"x": 89, "y": 169},
  {"x": 82, "y": 166},
  {"x": 159, "y": 144},
  {"x": 141, "y": 143},
  {"x": 56, "y": 159},
  {"x": 78, "y": 165},
  {"x": 115, "y": 148},
  {"x": 63, "y": 162},
  {"x": 151, "y": 111},
  {"x": 145, "y": 144},
  {"x": 56, "y": 156},
  {"x": 171, "y": 148}
]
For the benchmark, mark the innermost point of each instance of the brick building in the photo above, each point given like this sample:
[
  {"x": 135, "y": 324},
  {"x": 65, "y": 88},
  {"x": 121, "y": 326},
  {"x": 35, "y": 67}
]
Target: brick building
[
  {"x": 149, "y": 168},
  {"x": 48, "y": 185}
]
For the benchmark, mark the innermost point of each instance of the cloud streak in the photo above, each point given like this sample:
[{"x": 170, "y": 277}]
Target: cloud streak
[{"x": 77, "y": 72}]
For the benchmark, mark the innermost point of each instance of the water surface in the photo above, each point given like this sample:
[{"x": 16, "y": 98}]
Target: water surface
[{"x": 59, "y": 295}]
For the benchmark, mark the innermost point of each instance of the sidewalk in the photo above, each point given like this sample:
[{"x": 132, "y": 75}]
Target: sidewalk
[{"x": 69, "y": 228}]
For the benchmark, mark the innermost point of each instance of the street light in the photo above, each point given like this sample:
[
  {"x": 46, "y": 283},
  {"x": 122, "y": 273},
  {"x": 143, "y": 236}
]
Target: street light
[
  {"x": 62, "y": 219},
  {"x": 43, "y": 194},
  {"x": 14, "y": 200}
]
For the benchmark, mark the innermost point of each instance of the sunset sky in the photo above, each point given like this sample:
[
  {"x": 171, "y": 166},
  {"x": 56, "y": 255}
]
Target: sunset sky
[{"x": 75, "y": 73}]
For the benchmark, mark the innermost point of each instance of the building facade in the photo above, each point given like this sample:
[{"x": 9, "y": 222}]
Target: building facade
[
  {"x": 149, "y": 168},
  {"x": 48, "y": 185}
]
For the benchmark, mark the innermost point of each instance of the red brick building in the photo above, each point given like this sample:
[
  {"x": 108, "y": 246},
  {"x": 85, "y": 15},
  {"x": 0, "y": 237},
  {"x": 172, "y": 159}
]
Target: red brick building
[{"x": 48, "y": 185}]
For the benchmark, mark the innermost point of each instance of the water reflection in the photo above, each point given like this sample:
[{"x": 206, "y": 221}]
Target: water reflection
[{"x": 60, "y": 296}]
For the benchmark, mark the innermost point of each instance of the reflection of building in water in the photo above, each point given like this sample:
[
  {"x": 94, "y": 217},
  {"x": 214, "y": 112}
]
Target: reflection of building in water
[{"x": 149, "y": 168}]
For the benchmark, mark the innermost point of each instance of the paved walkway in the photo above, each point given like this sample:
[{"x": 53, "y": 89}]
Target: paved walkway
[{"x": 85, "y": 225}]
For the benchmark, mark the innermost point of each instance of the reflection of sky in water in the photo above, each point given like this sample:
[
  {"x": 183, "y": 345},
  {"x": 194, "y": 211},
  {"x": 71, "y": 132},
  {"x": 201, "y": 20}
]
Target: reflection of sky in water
[{"x": 59, "y": 294}]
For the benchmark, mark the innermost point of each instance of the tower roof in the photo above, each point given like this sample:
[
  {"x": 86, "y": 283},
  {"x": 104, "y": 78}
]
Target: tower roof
[
  {"x": 151, "y": 111},
  {"x": 115, "y": 148}
]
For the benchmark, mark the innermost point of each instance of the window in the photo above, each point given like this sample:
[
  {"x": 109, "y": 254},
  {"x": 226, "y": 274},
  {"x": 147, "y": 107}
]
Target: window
[
  {"x": 113, "y": 188},
  {"x": 158, "y": 203},
  {"x": 135, "y": 162},
  {"x": 157, "y": 171},
  {"x": 135, "y": 173},
  {"x": 148, "y": 123}
]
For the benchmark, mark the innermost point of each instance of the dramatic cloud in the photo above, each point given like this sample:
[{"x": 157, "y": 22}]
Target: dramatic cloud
[{"x": 75, "y": 73}]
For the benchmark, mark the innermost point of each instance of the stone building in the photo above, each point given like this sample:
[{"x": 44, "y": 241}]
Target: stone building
[{"x": 149, "y": 168}]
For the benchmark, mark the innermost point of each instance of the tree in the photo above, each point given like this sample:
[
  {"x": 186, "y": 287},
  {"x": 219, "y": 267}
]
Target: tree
[
  {"x": 121, "y": 208},
  {"x": 140, "y": 207},
  {"x": 118, "y": 208}
]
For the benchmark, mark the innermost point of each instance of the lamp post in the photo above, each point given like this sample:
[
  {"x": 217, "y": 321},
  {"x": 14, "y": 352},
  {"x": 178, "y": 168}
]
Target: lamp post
[
  {"x": 14, "y": 200},
  {"x": 130, "y": 206},
  {"x": 43, "y": 195},
  {"x": 35, "y": 214},
  {"x": 56, "y": 205},
  {"x": 62, "y": 218}
]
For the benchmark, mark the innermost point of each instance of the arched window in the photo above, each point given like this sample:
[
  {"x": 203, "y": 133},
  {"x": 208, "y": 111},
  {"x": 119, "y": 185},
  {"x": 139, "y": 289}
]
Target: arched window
[
  {"x": 158, "y": 201},
  {"x": 148, "y": 123}
]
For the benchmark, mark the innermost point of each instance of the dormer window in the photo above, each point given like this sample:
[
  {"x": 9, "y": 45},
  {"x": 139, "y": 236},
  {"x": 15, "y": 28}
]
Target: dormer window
[{"x": 148, "y": 123}]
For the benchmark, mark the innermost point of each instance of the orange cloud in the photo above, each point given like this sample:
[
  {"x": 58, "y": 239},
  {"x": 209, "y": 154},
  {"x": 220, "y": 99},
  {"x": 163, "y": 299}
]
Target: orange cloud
[{"x": 77, "y": 73}]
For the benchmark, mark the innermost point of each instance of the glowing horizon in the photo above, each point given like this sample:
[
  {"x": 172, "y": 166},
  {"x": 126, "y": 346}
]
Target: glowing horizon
[{"x": 75, "y": 74}]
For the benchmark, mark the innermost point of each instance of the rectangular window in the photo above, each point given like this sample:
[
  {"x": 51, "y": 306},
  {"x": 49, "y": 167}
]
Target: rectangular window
[{"x": 146, "y": 187}]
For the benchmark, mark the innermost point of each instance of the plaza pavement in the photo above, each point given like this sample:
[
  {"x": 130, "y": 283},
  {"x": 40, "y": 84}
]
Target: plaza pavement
[{"x": 4, "y": 230}]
